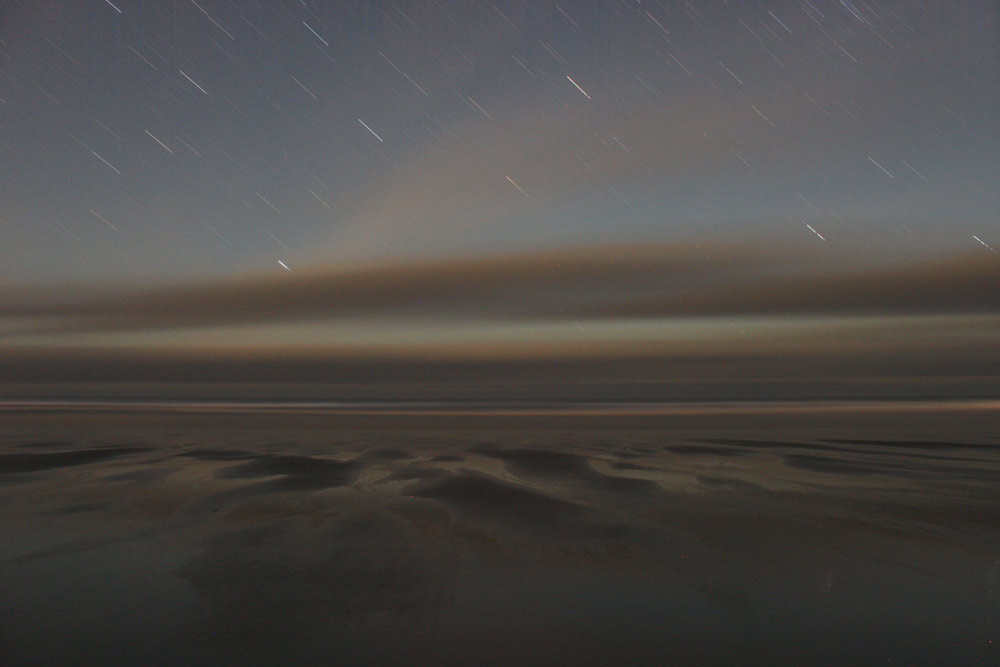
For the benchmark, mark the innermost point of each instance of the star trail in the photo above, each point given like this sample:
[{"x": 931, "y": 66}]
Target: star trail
[{"x": 187, "y": 123}]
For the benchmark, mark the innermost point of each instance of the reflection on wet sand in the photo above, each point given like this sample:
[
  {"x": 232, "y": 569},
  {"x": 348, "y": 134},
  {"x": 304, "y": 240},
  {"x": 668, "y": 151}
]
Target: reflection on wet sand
[{"x": 169, "y": 537}]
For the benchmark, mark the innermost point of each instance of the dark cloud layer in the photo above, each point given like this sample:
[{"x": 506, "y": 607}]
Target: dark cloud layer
[{"x": 586, "y": 283}]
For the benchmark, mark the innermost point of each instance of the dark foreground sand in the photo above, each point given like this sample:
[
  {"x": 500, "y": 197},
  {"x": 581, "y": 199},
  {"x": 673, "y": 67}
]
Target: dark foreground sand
[{"x": 788, "y": 535}]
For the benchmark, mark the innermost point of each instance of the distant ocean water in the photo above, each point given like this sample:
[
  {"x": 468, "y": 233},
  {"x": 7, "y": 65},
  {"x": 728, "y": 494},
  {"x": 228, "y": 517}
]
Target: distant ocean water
[{"x": 543, "y": 407}]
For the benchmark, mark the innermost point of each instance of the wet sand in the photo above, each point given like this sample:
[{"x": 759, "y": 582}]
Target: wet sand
[{"x": 775, "y": 534}]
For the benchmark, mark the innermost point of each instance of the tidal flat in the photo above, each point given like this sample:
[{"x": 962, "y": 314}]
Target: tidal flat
[{"x": 767, "y": 533}]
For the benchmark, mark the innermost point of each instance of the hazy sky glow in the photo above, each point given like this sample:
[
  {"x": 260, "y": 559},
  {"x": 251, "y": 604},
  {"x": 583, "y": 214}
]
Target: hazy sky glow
[{"x": 509, "y": 178}]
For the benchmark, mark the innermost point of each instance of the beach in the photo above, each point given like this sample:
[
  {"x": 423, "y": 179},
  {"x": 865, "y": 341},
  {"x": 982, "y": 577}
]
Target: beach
[{"x": 784, "y": 533}]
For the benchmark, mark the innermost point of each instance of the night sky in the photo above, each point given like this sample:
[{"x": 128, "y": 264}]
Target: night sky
[{"x": 506, "y": 177}]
